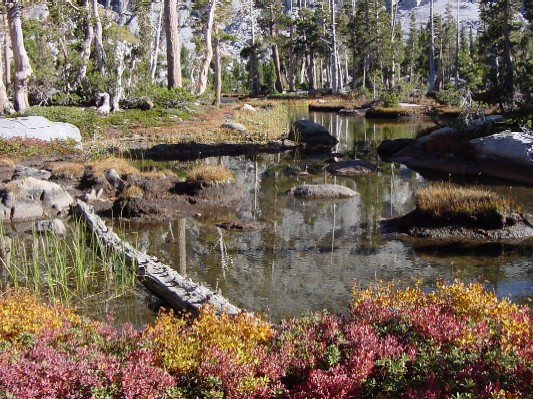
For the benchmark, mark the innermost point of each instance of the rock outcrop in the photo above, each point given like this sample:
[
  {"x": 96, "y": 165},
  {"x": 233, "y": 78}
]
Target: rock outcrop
[
  {"x": 31, "y": 198},
  {"x": 308, "y": 132},
  {"x": 473, "y": 153},
  {"x": 38, "y": 127}
]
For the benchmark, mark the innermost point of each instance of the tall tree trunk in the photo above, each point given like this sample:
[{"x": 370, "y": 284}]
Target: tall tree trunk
[
  {"x": 173, "y": 44},
  {"x": 86, "y": 44},
  {"x": 3, "y": 92},
  {"x": 99, "y": 41},
  {"x": 431, "y": 79},
  {"x": 155, "y": 50},
  {"x": 118, "y": 89},
  {"x": 508, "y": 83},
  {"x": 208, "y": 55},
  {"x": 7, "y": 53},
  {"x": 253, "y": 58},
  {"x": 278, "y": 85},
  {"x": 23, "y": 68},
  {"x": 311, "y": 69},
  {"x": 218, "y": 71},
  {"x": 291, "y": 78},
  {"x": 334, "y": 55}
]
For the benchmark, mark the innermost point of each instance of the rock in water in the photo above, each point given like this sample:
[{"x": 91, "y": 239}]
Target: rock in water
[
  {"x": 33, "y": 198},
  {"x": 309, "y": 132},
  {"x": 312, "y": 191},
  {"x": 354, "y": 167}
]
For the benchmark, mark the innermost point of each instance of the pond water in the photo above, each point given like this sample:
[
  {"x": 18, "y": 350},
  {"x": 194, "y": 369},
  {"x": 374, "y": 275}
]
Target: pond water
[{"x": 308, "y": 255}]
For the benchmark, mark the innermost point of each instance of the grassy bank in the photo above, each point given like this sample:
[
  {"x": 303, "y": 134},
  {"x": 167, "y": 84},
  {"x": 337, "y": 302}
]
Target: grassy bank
[{"x": 458, "y": 341}]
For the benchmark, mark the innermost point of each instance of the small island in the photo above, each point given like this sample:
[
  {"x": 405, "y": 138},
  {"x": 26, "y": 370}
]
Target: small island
[{"x": 446, "y": 210}]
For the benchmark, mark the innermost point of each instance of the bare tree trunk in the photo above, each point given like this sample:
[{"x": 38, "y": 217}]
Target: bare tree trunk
[
  {"x": 155, "y": 50},
  {"x": 334, "y": 59},
  {"x": 99, "y": 41},
  {"x": 23, "y": 68},
  {"x": 253, "y": 58},
  {"x": 311, "y": 70},
  {"x": 218, "y": 71},
  {"x": 277, "y": 66},
  {"x": 204, "y": 71},
  {"x": 118, "y": 90},
  {"x": 431, "y": 80},
  {"x": 508, "y": 83},
  {"x": 173, "y": 44},
  {"x": 86, "y": 43},
  {"x": 3, "y": 92},
  {"x": 7, "y": 53},
  {"x": 292, "y": 62}
]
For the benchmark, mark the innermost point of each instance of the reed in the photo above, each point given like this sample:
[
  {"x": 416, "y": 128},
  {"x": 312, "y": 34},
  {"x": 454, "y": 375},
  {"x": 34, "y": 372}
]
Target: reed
[{"x": 68, "y": 271}]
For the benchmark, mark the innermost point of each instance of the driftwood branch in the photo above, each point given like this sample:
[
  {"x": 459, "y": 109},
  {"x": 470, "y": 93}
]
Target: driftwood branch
[{"x": 178, "y": 291}]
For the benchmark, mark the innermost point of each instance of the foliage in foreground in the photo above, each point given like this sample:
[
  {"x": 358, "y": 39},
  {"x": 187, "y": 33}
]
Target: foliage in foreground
[{"x": 459, "y": 341}]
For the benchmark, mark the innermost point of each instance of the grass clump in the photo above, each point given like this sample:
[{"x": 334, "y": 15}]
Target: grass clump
[
  {"x": 133, "y": 191},
  {"x": 69, "y": 170},
  {"x": 121, "y": 165},
  {"x": 447, "y": 200},
  {"x": 210, "y": 174}
]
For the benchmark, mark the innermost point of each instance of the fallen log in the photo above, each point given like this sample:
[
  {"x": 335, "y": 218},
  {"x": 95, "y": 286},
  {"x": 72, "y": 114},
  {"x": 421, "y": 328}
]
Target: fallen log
[{"x": 179, "y": 292}]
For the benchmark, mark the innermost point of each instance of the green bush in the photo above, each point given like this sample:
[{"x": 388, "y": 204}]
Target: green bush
[{"x": 391, "y": 99}]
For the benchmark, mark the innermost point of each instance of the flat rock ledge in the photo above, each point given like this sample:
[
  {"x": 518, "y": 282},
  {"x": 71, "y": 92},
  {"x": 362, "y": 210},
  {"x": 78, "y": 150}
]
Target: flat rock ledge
[
  {"x": 314, "y": 191},
  {"x": 414, "y": 224},
  {"x": 38, "y": 127}
]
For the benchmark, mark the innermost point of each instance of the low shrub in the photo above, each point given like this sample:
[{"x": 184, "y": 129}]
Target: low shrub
[{"x": 456, "y": 341}]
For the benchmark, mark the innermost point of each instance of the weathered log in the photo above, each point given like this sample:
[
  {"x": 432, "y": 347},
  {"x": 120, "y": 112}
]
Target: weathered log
[{"x": 179, "y": 292}]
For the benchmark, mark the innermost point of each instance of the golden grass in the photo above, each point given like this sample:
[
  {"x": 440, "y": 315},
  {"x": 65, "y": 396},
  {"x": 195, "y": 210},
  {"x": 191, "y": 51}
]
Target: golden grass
[
  {"x": 122, "y": 166},
  {"x": 72, "y": 170},
  {"x": 7, "y": 161},
  {"x": 210, "y": 174},
  {"x": 268, "y": 123},
  {"x": 445, "y": 198},
  {"x": 133, "y": 191}
]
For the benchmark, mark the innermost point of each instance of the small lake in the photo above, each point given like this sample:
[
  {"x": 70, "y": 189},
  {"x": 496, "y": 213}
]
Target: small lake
[{"x": 308, "y": 255}]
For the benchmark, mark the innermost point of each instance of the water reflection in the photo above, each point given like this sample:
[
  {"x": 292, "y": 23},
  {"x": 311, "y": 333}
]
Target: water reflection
[{"x": 308, "y": 255}]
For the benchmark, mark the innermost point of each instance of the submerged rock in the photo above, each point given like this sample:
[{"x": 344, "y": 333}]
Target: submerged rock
[
  {"x": 354, "y": 167},
  {"x": 312, "y": 191}
]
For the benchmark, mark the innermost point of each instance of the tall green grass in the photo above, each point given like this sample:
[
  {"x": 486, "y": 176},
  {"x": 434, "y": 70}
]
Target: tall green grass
[{"x": 75, "y": 269}]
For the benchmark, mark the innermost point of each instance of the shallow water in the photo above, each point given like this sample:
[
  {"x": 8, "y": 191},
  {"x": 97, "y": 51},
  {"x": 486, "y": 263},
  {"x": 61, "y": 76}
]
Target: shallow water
[{"x": 308, "y": 255}]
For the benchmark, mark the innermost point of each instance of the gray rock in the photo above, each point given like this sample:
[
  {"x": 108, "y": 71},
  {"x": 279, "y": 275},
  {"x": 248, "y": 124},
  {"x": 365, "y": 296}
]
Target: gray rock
[
  {"x": 23, "y": 171},
  {"x": 114, "y": 179},
  {"x": 248, "y": 107},
  {"x": 312, "y": 191},
  {"x": 509, "y": 147},
  {"x": 30, "y": 198},
  {"x": 354, "y": 167},
  {"x": 309, "y": 132},
  {"x": 51, "y": 226},
  {"x": 233, "y": 126},
  {"x": 38, "y": 127}
]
